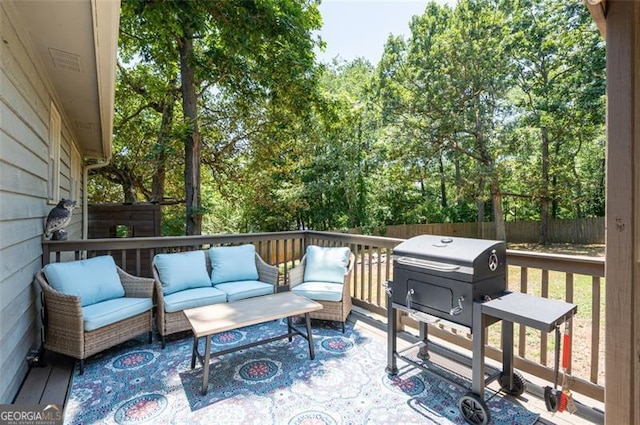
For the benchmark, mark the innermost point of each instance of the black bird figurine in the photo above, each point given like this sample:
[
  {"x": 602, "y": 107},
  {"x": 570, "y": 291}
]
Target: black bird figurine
[{"x": 59, "y": 218}]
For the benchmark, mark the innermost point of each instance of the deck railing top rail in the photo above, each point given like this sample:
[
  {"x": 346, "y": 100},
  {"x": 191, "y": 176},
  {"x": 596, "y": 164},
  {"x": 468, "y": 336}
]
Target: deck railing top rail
[{"x": 578, "y": 264}]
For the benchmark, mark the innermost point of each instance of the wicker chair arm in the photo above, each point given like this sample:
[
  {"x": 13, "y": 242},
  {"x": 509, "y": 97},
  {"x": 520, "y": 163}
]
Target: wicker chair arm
[
  {"x": 134, "y": 286},
  {"x": 158, "y": 298},
  {"x": 61, "y": 310},
  {"x": 296, "y": 274},
  {"x": 347, "y": 277},
  {"x": 266, "y": 272}
]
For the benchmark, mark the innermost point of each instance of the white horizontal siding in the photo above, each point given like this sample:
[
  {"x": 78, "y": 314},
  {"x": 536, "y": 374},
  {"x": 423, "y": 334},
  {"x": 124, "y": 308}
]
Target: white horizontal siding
[{"x": 25, "y": 101}]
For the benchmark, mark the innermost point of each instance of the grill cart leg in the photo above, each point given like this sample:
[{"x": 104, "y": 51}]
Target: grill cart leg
[
  {"x": 511, "y": 381},
  {"x": 392, "y": 367},
  {"x": 423, "y": 352},
  {"x": 471, "y": 405},
  {"x": 551, "y": 395},
  {"x": 477, "y": 362}
]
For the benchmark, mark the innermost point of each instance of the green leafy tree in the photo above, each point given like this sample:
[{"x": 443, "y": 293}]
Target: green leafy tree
[
  {"x": 446, "y": 91},
  {"x": 234, "y": 59},
  {"x": 561, "y": 94}
]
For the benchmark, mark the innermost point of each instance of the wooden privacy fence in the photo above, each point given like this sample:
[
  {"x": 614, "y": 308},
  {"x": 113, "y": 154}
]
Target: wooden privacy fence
[
  {"x": 571, "y": 278},
  {"x": 578, "y": 231}
]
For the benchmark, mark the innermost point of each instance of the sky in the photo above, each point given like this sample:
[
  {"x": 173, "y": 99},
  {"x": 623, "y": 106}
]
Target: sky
[{"x": 359, "y": 28}]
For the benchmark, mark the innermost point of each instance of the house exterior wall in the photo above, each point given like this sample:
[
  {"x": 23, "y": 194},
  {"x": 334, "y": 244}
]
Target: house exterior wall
[{"x": 26, "y": 97}]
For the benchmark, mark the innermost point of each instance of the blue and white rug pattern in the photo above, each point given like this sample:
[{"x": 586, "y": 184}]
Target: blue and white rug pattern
[{"x": 277, "y": 383}]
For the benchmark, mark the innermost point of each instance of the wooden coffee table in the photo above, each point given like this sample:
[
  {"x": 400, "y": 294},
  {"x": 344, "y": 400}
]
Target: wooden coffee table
[{"x": 208, "y": 320}]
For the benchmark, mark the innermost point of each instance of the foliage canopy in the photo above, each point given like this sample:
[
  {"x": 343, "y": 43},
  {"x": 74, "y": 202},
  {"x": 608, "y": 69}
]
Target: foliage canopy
[{"x": 492, "y": 110}]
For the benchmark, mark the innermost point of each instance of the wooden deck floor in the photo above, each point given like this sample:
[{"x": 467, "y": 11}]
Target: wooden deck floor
[
  {"x": 590, "y": 412},
  {"x": 51, "y": 384}
]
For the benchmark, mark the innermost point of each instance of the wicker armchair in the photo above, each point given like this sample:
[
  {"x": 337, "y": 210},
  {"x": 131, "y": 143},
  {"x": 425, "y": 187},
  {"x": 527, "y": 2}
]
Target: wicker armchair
[
  {"x": 331, "y": 310},
  {"x": 64, "y": 325},
  {"x": 170, "y": 323}
]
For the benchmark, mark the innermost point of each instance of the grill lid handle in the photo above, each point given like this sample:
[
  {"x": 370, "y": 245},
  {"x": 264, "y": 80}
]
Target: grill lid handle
[
  {"x": 457, "y": 310},
  {"x": 410, "y": 292},
  {"x": 431, "y": 265}
]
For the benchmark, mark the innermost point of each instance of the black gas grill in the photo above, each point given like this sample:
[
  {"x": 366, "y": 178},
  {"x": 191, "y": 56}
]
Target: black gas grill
[
  {"x": 442, "y": 276},
  {"x": 463, "y": 281}
]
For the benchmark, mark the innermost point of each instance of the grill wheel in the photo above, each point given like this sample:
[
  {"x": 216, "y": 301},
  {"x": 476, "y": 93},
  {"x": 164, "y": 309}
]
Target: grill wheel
[{"x": 473, "y": 409}]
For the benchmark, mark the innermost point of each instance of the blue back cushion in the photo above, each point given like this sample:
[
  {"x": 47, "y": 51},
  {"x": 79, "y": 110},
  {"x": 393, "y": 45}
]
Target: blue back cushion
[
  {"x": 326, "y": 264},
  {"x": 93, "y": 280},
  {"x": 233, "y": 263},
  {"x": 182, "y": 270}
]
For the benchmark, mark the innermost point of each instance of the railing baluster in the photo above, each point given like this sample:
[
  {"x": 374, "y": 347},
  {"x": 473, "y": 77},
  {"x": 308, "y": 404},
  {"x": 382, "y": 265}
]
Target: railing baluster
[
  {"x": 370, "y": 274},
  {"x": 363, "y": 252},
  {"x": 522, "y": 329},
  {"x": 569, "y": 298},
  {"x": 268, "y": 251},
  {"x": 138, "y": 263},
  {"x": 595, "y": 328},
  {"x": 378, "y": 276},
  {"x": 356, "y": 254},
  {"x": 286, "y": 262},
  {"x": 544, "y": 292}
]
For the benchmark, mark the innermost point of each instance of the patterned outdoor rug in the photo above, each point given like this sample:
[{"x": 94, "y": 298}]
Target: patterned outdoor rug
[{"x": 275, "y": 383}]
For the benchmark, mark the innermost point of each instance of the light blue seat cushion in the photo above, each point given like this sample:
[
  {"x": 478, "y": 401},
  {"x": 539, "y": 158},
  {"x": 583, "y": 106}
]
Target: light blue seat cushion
[
  {"x": 233, "y": 263},
  {"x": 326, "y": 264},
  {"x": 182, "y": 270},
  {"x": 93, "y": 280},
  {"x": 245, "y": 289},
  {"x": 319, "y": 291},
  {"x": 191, "y": 298},
  {"x": 111, "y": 311}
]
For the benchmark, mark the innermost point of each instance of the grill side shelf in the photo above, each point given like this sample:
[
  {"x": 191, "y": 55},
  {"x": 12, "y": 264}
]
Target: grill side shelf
[{"x": 540, "y": 313}]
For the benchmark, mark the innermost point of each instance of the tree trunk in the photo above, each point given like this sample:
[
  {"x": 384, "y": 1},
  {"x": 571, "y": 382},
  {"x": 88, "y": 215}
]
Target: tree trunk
[
  {"x": 544, "y": 198},
  {"x": 498, "y": 214},
  {"x": 459, "y": 191},
  {"x": 128, "y": 188},
  {"x": 443, "y": 185},
  {"x": 480, "y": 207},
  {"x": 157, "y": 184},
  {"x": 555, "y": 204},
  {"x": 192, "y": 140}
]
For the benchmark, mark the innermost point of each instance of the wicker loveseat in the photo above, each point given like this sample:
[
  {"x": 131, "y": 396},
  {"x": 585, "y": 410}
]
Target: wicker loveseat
[
  {"x": 91, "y": 305},
  {"x": 324, "y": 275},
  {"x": 192, "y": 279}
]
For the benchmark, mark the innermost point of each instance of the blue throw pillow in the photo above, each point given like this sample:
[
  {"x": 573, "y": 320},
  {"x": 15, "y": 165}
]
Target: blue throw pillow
[
  {"x": 93, "y": 280},
  {"x": 233, "y": 263},
  {"x": 326, "y": 264},
  {"x": 182, "y": 270}
]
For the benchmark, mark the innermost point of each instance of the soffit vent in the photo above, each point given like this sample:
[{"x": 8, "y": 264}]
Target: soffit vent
[
  {"x": 65, "y": 60},
  {"x": 83, "y": 125}
]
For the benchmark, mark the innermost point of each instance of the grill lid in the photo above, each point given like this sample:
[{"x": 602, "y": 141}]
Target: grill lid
[{"x": 446, "y": 249}]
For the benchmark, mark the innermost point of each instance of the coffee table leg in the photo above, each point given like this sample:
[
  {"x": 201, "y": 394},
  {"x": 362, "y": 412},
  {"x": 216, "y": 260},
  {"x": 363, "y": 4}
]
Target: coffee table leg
[
  {"x": 194, "y": 352},
  {"x": 312, "y": 354},
  {"x": 207, "y": 359},
  {"x": 289, "y": 330}
]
